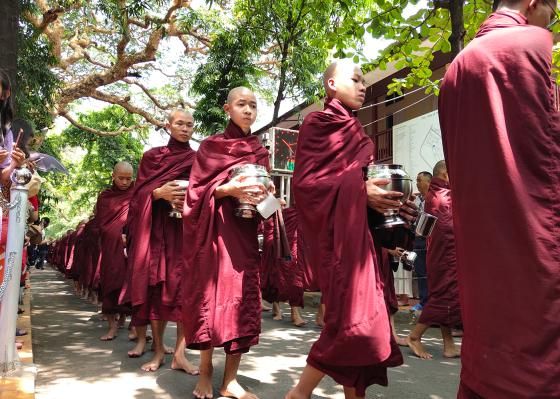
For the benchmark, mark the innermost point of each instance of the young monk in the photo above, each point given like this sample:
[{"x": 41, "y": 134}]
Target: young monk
[
  {"x": 442, "y": 309},
  {"x": 111, "y": 213},
  {"x": 155, "y": 243},
  {"x": 501, "y": 137},
  {"x": 356, "y": 345},
  {"x": 222, "y": 304}
]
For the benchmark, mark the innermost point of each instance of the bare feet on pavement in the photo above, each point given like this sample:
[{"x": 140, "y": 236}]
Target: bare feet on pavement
[
  {"x": 418, "y": 348},
  {"x": 181, "y": 363},
  {"x": 452, "y": 353},
  {"x": 234, "y": 390},
  {"x": 203, "y": 389},
  {"x": 155, "y": 363},
  {"x": 138, "y": 350}
]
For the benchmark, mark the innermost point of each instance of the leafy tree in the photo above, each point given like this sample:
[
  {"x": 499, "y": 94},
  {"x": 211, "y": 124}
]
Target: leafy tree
[
  {"x": 417, "y": 32},
  {"x": 36, "y": 83},
  {"x": 112, "y": 51},
  {"x": 90, "y": 160},
  {"x": 230, "y": 64}
]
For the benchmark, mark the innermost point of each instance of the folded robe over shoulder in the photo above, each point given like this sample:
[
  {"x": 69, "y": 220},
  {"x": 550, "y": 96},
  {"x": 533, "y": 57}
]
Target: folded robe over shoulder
[
  {"x": 221, "y": 304},
  {"x": 354, "y": 347},
  {"x": 155, "y": 239},
  {"x": 442, "y": 308},
  {"x": 111, "y": 213},
  {"x": 501, "y": 137}
]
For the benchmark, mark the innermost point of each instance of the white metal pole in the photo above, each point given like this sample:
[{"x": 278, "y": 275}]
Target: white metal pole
[{"x": 9, "y": 359}]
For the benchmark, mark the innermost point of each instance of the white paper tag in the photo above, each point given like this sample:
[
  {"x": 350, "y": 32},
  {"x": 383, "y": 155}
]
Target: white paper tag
[{"x": 268, "y": 206}]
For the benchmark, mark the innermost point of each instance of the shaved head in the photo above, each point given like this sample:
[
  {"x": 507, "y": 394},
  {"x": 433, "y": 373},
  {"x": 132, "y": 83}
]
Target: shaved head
[
  {"x": 122, "y": 175},
  {"x": 171, "y": 116},
  {"x": 123, "y": 167},
  {"x": 440, "y": 170},
  {"x": 337, "y": 67},
  {"x": 237, "y": 91}
]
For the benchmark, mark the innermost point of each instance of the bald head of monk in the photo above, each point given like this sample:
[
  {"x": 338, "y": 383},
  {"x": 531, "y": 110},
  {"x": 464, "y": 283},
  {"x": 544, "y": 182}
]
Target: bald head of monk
[
  {"x": 440, "y": 171},
  {"x": 122, "y": 175},
  {"x": 344, "y": 81},
  {"x": 538, "y": 12},
  {"x": 180, "y": 125},
  {"x": 241, "y": 107}
]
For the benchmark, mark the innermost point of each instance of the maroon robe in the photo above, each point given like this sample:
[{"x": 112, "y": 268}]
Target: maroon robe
[
  {"x": 282, "y": 280},
  {"x": 501, "y": 136},
  {"x": 71, "y": 258},
  {"x": 442, "y": 308},
  {"x": 87, "y": 253},
  {"x": 155, "y": 240},
  {"x": 386, "y": 271},
  {"x": 222, "y": 304},
  {"x": 111, "y": 212},
  {"x": 356, "y": 345}
]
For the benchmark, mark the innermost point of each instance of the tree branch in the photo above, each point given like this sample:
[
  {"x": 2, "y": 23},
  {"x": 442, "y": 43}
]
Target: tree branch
[{"x": 98, "y": 132}]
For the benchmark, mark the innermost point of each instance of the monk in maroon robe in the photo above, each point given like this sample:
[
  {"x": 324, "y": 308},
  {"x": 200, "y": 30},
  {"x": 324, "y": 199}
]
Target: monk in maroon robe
[
  {"x": 155, "y": 243},
  {"x": 501, "y": 137},
  {"x": 111, "y": 213},
  {"x": 222, "y": 303},
  {"x": 356, "y": 345},
  {"x": 442, "y": 308},
  {"x": 282, "y": 280}
]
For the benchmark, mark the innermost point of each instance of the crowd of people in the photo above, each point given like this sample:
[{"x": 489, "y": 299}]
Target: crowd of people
[{"x": 497, "y": 232}]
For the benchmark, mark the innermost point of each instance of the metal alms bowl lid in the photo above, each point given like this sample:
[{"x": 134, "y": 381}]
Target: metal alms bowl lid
[
  {"x": 394, "y": 170},
  {"x": 250, "y": 170}
]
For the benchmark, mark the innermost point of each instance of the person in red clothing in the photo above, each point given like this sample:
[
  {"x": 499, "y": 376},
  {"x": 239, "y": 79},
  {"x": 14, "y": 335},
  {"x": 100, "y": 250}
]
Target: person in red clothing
[
  {"x": 501, "y": 138},
  {"x": 356, "y": 346},
  {"x": 222, "y": 302},
  {"x": 442, "y": 309}
]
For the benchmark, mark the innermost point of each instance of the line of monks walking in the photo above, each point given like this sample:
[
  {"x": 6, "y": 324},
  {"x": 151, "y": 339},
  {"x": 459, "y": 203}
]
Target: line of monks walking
[
  {"x": 205, "y": 271},
  {"x": 501, "y": 139}
]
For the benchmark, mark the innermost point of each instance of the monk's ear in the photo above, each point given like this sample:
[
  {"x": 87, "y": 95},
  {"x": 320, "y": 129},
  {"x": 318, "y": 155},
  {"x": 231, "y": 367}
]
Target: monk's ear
[
  {"x": 227, "y": 108},
  {"x": 331, "y": 85}
]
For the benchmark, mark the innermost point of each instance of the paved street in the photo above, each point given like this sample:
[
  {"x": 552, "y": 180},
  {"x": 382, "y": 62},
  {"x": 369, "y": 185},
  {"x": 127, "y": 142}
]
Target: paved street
[{"x": 73, "y": 363}]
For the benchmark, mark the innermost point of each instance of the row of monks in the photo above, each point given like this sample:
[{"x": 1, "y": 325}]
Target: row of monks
[
  {"x": 500, "y": 135},
  {"x": 205, "y": 271}
]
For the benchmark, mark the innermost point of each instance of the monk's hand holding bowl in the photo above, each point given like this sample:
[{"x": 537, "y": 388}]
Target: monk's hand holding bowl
[
  {"x": 239, "y": 187},
  {"x": 170, "y": 192},
  {"x": 409, "y": 210},
  {"x": 382, "y": 200}
]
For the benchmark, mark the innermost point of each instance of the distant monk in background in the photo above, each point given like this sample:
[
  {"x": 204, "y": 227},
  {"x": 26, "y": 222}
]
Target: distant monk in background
[
  {"x": 501, "y": 137},
  {"x": 442, "y": 309},
  {"x": 111, "y": 214},
  {"x": 282, "y": 280},
  {"x": 155, "y": 243}
]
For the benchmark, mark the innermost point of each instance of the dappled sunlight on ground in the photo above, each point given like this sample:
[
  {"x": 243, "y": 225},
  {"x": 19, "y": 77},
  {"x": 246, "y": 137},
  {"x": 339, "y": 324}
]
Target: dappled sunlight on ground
[{"x": 74, "y": 363}]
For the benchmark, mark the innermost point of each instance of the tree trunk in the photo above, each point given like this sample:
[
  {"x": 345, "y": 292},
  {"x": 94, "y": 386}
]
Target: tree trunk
[
  {"x": 9, "y": 16},
  {"x": 457, "y": 26},
  {"x": 281, "y": 84}
]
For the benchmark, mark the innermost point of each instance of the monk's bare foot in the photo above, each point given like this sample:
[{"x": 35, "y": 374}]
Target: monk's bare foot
[
  {"x": 298, "y": 321},
  {"x": 166, "y": 349},
  {"x": 180, "y": 362},
  {"x": 111, "y": 335},
  {"x": 203, "y": 389},
  {"x": 416, "y": 346},
  {"x": 234, "y": 390},
  {"x": 138, "y": 350},
  {"x": 451, "y": 353},
  {"x": 277, "y": 316},
  {"x": 319, "y": 323},
  {"x": 155, "y": 363},
  {"x": 401, "y": 341}
]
